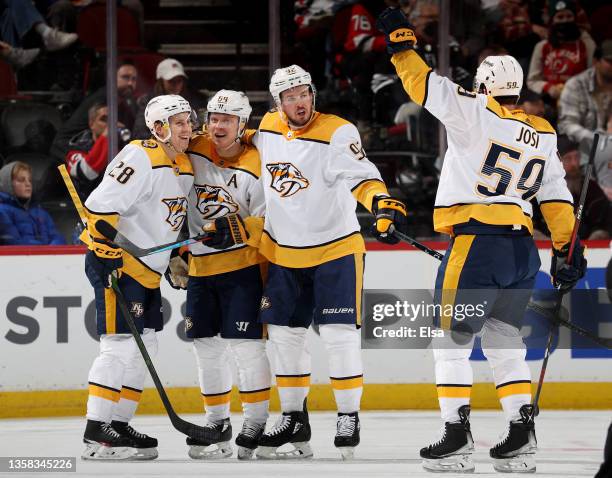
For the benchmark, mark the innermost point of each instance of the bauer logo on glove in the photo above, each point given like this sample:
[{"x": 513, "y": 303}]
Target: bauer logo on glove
[{"x": 226, "y": 231}]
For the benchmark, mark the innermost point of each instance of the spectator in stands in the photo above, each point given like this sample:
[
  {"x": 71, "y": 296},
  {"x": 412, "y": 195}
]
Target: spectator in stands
[
  {"x": 356, "y": 44},
  {"x": 510, "y": 24},
  {"x": 127, "y": 76},
  {"x": 170, "y": 80},
  {"x": 603, "y": 159},
  {"x": 63, "y": 14},
  {"x": 586, "y": 101},
  {"x": 21, "y": 221},
  {"x": 19, "y": 17},
  {"x": 17, "y": 57},
  {"x": 567, "y": 52},
  {"x": 531, "y": 103},
  {"x": 596, "y": 216},
  {"x": 39, "y": 135},
  {"x": 88, "y": 154}
]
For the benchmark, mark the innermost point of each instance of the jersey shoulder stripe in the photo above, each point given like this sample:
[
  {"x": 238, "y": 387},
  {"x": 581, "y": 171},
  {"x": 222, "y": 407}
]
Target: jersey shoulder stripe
[
  {"x": 200, "y": 145},
  {"x": 539, "y": 124},
  {"x": 323, "y": 128},
  {"x": 159, "y": 159},
  {"x": 249, "y": 161},
  {"x": 320, "y": 130}
]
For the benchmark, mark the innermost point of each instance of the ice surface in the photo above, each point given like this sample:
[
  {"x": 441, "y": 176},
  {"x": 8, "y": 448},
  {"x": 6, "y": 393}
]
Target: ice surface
[{"x": 570, "y": 445}]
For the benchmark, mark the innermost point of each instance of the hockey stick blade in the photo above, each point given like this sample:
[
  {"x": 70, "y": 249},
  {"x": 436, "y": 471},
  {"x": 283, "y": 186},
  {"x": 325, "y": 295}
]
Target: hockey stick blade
[
  {"x": 183, "y": 426},
  {"x": 108, "y": 231},
  {"x": 557, "y": 320}
]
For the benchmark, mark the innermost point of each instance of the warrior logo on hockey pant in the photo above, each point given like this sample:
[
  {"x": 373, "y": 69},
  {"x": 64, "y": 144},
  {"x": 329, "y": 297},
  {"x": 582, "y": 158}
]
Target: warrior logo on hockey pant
[
  {"x": 177, "y": 212},
  {"x": 286, "y": 179},
  {"x": 242, "y": 326},
  {"x": 214, "y": 201},
  {"x": 137, "y": 309}
]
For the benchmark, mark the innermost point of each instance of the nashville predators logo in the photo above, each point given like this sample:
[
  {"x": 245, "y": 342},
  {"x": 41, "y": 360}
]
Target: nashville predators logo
[
  {"x": 402, "y": 34},
  {"x": 137, "y": 309},
  {"x": 177, "y": 212},
  {"x": 286, "y": 179},
  {"x": 214, "y": 201}
]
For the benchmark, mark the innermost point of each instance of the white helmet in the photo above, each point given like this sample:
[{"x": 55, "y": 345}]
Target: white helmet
[
  {"x": 163, "y": 107},
  {"x": 231, "y": 102},
  {"x": 500, "y": 75},
  {"x": 288, "y": 77}
]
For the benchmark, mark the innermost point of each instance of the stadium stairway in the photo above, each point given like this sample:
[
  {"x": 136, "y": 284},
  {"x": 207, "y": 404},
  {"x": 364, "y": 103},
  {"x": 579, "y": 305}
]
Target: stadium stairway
[{"x": 221, "y": 43}]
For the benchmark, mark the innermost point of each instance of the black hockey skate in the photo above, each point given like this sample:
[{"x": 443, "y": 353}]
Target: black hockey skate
[
  {"x": 515, "y": 453},
  {"x": 248, "y": 438},
  {"x": 452, "y": 452},
  {"x": 347, "y": 434},
  {"x": 205, "y": 450},
  {"x": 291, "y": 427},
  {"x": 145, "y": 447},
  {"x": 104, "y": 443}
]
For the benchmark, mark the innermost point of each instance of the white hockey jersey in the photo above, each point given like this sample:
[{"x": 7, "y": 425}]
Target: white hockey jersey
[
  {"x": 222, "y": 186},
  {"x": 144, "y": 195},
  {"x": 312, "y": 178},
  {"x": 496, "y": 161}
]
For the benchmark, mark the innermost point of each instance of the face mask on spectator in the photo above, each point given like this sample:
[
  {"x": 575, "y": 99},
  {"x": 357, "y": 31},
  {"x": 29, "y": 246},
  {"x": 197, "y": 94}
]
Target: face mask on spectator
[{"x": 566, "y": 31}]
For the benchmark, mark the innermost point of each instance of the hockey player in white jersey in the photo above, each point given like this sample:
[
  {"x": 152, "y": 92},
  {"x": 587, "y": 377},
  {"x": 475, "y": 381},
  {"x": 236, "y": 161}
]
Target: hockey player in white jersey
[
  {"x": 314, "y": 171},
  {"x": 498, "y": 158},
  {"x": 144, "y": 196},
  {"x": 224, "y": 287}
]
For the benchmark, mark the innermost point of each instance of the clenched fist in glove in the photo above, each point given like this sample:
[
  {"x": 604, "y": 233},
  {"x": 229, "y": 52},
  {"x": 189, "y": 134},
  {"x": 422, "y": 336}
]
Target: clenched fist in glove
[
  {"x": 566, "y": 272},
  {"x": 390, "y": 215},
  {"x": 104, "y": 258},
  {"x": 226, "y": 231},
  {"x": 399, "y": 33}
]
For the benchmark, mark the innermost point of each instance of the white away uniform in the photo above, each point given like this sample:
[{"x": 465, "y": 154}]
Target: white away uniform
[{"x": 225, "y": 286}]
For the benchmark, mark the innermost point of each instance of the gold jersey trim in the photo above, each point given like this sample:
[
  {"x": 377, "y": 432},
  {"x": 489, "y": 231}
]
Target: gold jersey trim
[
  {"x": 159, "y": 159},
  {"x": 140, "y": 272},
  {"x": 414, "y": 73},
  {"x": 309, "y": 256},
  {"x": 365, "y": 191},
  {"x": 248, "y": 161},
  {"x": 539, "y": 124},
  {"x": 320, "y": 129},
  {"x": 559, "y": 217},
  {"x": 223, "y": 261},
  {"x": 497, "y": 214}
]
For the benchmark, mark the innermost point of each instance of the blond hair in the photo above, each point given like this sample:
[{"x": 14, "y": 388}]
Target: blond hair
[{"x": 20, "y": 166}]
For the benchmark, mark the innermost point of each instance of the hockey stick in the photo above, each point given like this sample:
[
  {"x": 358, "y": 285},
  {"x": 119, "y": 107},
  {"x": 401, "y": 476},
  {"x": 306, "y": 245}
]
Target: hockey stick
[
  {"x": 553, "y": 327},
  {"x": 547, "y": 313},
  {"x": 181, "y": 425},
  {"x": 418, "y": 245},
  {"x": 554, "y": 318},
  {"x": 76, "y": 200},
  {"x": 107, "y": 230}
]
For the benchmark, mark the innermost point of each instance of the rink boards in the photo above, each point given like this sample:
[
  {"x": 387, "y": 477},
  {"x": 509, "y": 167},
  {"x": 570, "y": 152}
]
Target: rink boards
[{"x": 48, "y": 342}]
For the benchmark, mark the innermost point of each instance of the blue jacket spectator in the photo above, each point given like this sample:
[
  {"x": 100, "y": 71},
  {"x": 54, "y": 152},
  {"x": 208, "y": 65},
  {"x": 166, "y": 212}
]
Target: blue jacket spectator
[{"x": 21, "y": 222}]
